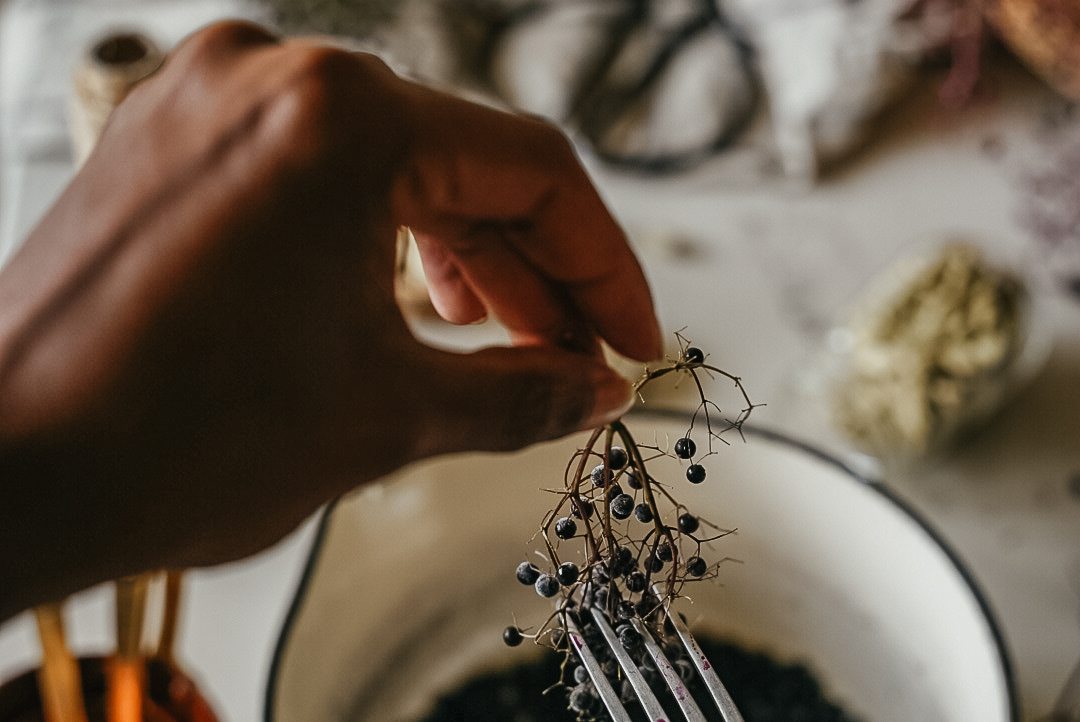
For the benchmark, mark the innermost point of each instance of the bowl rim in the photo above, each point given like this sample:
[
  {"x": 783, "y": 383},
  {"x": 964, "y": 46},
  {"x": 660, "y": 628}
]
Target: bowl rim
[{"x": 318, "y": 542}]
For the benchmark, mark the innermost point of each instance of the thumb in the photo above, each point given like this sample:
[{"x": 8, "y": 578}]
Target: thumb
[{"x": 502, "y": 399}]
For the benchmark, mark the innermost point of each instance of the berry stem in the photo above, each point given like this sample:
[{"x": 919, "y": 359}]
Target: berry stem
[
  {"x": 663, "y": 533},
  {"x": 573, "y": 485}
]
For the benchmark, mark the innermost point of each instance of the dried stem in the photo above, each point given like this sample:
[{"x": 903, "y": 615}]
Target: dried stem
[{"x": 613, "y": 551}]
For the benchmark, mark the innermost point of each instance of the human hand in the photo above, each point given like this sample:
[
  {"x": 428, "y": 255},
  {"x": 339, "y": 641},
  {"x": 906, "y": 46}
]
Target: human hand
[{"x": 199, "y": 343}]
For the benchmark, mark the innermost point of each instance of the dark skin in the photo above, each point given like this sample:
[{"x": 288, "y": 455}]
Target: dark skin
[{"x": 199, "y": 343}]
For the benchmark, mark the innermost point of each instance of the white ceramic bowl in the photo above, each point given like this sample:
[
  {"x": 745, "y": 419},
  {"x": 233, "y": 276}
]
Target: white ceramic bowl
[{"x": 412, "y": 582}]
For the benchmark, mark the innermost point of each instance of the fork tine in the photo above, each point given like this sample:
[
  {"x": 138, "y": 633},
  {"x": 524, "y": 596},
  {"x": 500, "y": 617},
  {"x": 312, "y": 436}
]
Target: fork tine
[
  {"x": 671, "y": 676},
  {"x": 600, "y": 681},
  {"x": 645, "y": 695},
  {"x": 728, "y": 711},
  {"x": 650, "y": 704}
]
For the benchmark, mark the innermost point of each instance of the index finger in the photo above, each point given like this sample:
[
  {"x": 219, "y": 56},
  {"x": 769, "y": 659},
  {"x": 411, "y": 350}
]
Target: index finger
[{"x": 508, "y": 201}]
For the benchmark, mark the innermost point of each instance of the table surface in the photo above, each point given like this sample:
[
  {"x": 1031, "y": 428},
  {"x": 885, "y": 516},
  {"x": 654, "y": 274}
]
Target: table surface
[{"x": 756, "y": 275}]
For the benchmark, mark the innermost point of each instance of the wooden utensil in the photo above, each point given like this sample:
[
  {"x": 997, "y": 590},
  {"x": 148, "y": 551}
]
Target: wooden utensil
[
  {"x": 125, "y": 674},
  {"x": 59, "y": 680},
  {"x": 170, "y": 615}
]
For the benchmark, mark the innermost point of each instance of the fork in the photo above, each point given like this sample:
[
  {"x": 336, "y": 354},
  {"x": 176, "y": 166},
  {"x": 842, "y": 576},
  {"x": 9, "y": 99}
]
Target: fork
[{"x": 612, "y": 700}]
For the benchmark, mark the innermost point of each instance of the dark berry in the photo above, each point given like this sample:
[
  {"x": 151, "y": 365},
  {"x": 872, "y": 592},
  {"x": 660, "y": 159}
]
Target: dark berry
[
  {"x": 696, "y": 566},
  {"x": 622, "y": 506},
  {"x": 624, "y": 560},
  {"x": 584, "y": 510},
  {"x": 527, "y": 573},
  {"x": 591, "y": 632},
  {"x": 599, "y": 475},
  {"x": 512, "y": 636},
  {"x": 617, "y": 458},
  {"x": 635, "y": 582},
  {"x": 547, "y": 585},
  {"x": 647, "y": 605},
  {"x": 685, "y": 448},
  {"x": 664, "y": 552},
  {"x": 632, "y": 479},
  {"x": 583, "y": 700},
  {"x": 643, "y": 513},
  {"x": 567, "y": 573},
  {"x": 652, "y": 677},
  {"x": 614, "y": 491},
  {"x": 693, "y": 355},
  {"x": 688, "y": 523},
  {"x": 652, "y": 564},
  {"x": 624, "y": 610},
  {"x": 629, "y": 637},
  {"x": 581, "y": 674},
  {"x": 565, "y": 528},
  {"x": 600, "y": 574},
  {"x": 695, "y": 473}
]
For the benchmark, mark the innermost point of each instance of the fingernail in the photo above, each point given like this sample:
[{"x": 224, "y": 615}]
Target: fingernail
[{"x": 612, "y": 397}]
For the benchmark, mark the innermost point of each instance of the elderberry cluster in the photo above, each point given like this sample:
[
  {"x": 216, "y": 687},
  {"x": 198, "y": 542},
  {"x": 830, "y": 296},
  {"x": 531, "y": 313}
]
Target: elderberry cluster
[{"x": 619, "y": 541}]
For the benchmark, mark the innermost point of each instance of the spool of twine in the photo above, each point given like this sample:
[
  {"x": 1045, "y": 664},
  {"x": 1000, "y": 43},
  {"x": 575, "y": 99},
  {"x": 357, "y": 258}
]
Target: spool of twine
[{"x": 108, "y": 72}]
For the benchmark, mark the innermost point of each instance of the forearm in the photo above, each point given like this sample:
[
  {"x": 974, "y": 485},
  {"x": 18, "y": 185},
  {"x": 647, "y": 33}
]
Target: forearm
[{"x": 45, "y": 539}]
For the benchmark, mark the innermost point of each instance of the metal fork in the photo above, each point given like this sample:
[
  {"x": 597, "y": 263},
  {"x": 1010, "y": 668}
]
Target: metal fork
[{"x": 630, "y": 671}]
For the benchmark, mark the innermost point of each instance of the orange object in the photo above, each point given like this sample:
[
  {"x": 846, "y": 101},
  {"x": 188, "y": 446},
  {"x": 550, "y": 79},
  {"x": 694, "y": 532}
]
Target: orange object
[
  {"x": 125, "y": 669},
  {"x": 124, "y": 699},
  {"x": 169, "y": 695}
]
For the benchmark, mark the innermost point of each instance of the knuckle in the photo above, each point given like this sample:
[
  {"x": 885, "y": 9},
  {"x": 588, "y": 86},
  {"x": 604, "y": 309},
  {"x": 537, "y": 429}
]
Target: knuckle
[
  {"x": 224, "y": 36},
  {"x": 532, "y": 409},
  {"x": 319, "y": 78},
  {"x": 556, "y": 143},
  {"x": 319, "y": 100},
  {"x": 301, "y": 103},
  {"x": 541, "y": 409}
]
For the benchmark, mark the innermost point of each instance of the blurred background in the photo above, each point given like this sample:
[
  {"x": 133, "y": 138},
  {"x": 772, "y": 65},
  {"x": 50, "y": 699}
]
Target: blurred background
[{"x": 773, "y": 161}]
